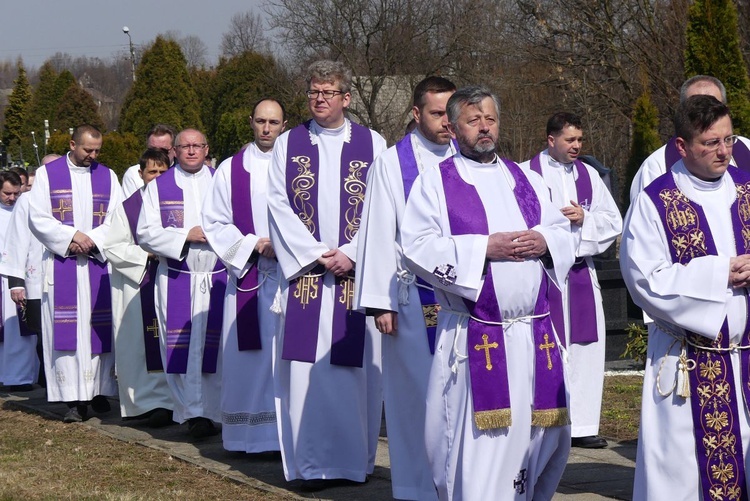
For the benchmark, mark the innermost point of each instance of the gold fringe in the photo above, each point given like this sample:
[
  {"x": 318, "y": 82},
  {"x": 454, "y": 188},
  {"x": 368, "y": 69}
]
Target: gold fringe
[
  {"x": 487, "y": 420},
  {"x": 550, "y": 417}
]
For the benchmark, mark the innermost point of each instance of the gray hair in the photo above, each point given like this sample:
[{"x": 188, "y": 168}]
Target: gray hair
[
  {"x": 330, "y": 72},
  {"x": 471, "y": 95},
  {"x": 702, "y": 79}
]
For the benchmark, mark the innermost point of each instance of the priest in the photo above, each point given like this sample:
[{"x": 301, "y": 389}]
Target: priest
[
  {"x": 235, "y": 221},
  {"x": 484, "y": 233}
]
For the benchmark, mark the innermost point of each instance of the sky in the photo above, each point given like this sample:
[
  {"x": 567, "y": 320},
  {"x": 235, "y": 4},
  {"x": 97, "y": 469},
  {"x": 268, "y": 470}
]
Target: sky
[{"x": 37, "y": 29}]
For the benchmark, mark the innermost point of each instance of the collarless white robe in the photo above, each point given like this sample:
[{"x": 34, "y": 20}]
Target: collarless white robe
[
  {"x": 248, "y": 412},
  {"x": 468, "y": 463},
  {"x": 329, "y": 415}
]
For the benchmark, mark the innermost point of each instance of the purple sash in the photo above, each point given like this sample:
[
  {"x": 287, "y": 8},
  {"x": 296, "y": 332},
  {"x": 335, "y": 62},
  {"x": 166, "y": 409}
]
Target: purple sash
[
  {"x": 304, "y": 301},
  {"x": 65, "y": 268},
  {"x": 248, "y": 326},
  {"x": 409, "y": 172},
  {"x": 485, "y": 339},
  {"x": 2, "y": 321},
  {"x": 150, "y": 325},
  {"x": 740, "y": 154},
  {"x": 582, "y": 305},
  {"x": 714, "y": 407},
  {"x": 179, "y": 290}
]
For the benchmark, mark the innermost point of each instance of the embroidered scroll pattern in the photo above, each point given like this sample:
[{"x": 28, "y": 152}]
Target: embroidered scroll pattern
[
  {"x": 354, "y": 186},
  {"x": 686, "y": 237},
  {"x": 301, "y": 186}
]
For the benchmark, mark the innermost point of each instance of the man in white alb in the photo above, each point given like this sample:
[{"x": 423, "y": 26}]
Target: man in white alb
[{"x": 160, "y": 136}]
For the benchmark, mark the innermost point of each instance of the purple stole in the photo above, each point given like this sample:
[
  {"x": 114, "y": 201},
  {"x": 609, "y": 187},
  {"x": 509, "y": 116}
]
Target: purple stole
[
  {"x": 304, "y": 301},
  {"x": 409, "y": 172},
  {"x": 485, "y": 339},
  {"x": 740, "y": 154},
  {"x": 2, "y": 321},
  {"x": 65, "y": 318},
  {"x": 179, "y": 290},
  {"x": 150, "y": 325},
  {"x": 248, "y": 326},
  {"x": 715, "y": 411},
  {"x": 581, "y": 302}
]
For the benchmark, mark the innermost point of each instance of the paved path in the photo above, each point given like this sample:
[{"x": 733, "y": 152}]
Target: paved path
[{"x": 590, "y": 474}]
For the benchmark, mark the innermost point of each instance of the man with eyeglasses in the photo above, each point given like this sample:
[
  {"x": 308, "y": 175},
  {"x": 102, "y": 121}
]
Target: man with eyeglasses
[
  {"x": 160, "y": 136},
  {"x": 235, "y": 221},
  {"x": 190, "y": 284},
  {"x": 595, "y": 221},
  {"x": 404, "y": 308},
  {"x": 70, "y": 212},
  {"x": 329, "y": 398},
  {"x": 665, "y": 157},
  {"x": 685, "y": 258}
]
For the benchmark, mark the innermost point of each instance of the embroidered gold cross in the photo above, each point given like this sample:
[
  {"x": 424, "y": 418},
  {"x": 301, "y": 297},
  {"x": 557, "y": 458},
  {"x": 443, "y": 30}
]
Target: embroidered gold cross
[
  {"x": 486, "y": 347},
  {"x": 101, "y": 214},
  {"x": 62, "y": 210},
  {"x": 347, "y": 292},
  {"x": 547, "y": 346},
  {"x": 154, "y": 327},
  {"x": 306, "y": 289}
]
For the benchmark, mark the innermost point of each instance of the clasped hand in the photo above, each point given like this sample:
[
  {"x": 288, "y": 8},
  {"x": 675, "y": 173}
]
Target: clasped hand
[{"x": 516, "y": 245}]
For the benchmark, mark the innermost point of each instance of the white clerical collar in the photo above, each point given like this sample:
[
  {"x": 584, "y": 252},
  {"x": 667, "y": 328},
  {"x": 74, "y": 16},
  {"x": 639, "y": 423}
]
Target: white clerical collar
[
  {"x": 258, "y": 153},
  {"x": 434, "y": 148},
  {"x": 696, "y": 189},
  {"x": 8, "y": 208},
  {"x": 479, "y": 165},
  {"x": 71, "y": 165},
  {"x": 185, "y": 173},
  {"x": 559, "y": 165},
  {"x": 317, "y": 130}
]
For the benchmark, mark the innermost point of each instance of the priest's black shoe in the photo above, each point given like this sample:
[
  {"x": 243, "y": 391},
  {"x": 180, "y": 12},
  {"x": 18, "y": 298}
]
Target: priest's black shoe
[
  {"x": 201, "y": 427},
  {"x": 591, "y": 442},
  {"x": 76, "y": 414},
  {"x": 20, "y": 388},
  {"x": 100, "y": 404},
  {"x": 159, "y": 418}
]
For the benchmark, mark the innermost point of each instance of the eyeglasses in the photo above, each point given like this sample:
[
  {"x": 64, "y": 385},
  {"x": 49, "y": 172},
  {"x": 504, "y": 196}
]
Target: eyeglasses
[
  {"x": 189, "y": 147},
  {"x": 327, "y": 94},
  {"x": 713, "y": 144}
]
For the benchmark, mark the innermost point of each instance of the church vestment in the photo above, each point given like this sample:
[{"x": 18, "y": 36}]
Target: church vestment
[
  {"x": 586, "y": 333},
  {"x": 384, "y": 282},
  {"x": 506, "y": 437},
  {"x": 19, "y": 362},
  {"x": 140, "y": 374},
  {"x": 235, "y": 217},
  {"x": 189, "y": 291},
  {"x": 329, "y": 396},
  {"x": 76, "y": 307},
  {"x": 131, "y": 180},
  {"x": 679, "y": 237}
]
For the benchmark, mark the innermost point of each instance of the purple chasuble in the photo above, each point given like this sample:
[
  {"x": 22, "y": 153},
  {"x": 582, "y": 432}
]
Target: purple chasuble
[
  {"x": 409, "y": 172},
  {"x": 65, "y": 316},
  {"x": 740, "y": 154},
  {"x": 179, "y": 290},
  {"x": 149, "y": 320},
  {"x": 485, "y": 338},
  {"x": 581, "y": 302},
  {"x": 715, "y": 410},
  {"x": 248, "y": 326},
  {"x": 304, "y": 301}
]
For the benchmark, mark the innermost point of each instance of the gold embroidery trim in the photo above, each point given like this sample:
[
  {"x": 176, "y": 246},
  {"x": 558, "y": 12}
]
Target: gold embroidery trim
[{"x": 302, "y": 183}]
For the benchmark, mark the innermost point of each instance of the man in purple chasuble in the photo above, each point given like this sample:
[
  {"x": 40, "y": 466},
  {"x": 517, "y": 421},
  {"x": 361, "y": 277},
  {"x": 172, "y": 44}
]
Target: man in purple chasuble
[
  {"x": 685, "y": 257},
  {"x": 70, "y": 212},
  {"x": 144, "y": 393},
  {"x": 595, "y": 221},
  {"x": 190, "y": 284},
  {"x": 235, "y": 220},
  {"x": 327, "y": 372},
  {"x": 404, "y": 308},
  {"x": 484, "y": 233}
]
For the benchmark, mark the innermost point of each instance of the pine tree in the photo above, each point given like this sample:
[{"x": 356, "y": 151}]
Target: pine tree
[
  {"x": 18, "y": 107},
  {"x": 713, "y": 48},
  {"x": 77, "y": 107},
  {"x": 645, "y": 138},
  {"x": 162, "y": 92}
]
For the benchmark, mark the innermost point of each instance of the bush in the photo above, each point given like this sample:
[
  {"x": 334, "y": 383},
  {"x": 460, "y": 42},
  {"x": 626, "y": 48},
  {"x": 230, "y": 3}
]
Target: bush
[{"x": 637, "y": 342}]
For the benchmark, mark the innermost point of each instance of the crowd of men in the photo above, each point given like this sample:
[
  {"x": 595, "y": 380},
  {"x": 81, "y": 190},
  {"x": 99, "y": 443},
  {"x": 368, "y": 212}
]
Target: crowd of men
[{"x": 317, "y": 274}]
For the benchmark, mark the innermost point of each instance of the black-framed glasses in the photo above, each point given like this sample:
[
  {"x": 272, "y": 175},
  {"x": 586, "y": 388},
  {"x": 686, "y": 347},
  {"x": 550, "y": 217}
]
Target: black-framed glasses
[
  {"x": 189, "y": 147},
  {"x": 713, "y": 144},
  {"x": 327, "y": 94}
]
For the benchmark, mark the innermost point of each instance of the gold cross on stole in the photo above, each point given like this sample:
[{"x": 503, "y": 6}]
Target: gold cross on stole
[
  {"x": 486, "y": 347},
  {"x": 154, "y": 327},
  {"x": 547, "y": 346},
  {"x": 101, "y": 214},
  {"x": 62, "y": 210}
]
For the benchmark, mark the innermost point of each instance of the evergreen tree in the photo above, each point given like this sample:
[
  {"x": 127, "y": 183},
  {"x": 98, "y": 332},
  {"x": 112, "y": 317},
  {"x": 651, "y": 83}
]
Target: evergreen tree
[
  {"x": 77, "y": 107},
  {"x": 713, "y": 48},
  {"x": 162, "y": 92},
  {"x": 18, "y": 107},
  {"x": 120, "y": 151},
  {"x": 64, "y": 80},
  {"x": 44, "y": 100},
  {"x": 645, "y": 138}
]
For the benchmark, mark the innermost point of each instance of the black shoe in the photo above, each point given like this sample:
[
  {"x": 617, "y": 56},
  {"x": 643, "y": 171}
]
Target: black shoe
[
  {"x": 591, "y": 442},
  {"x": 314, "y": 485},
  {"x": 100, "y": 404},
  {"x": 201, "y": 427},
  {"x": 160, "y": 418},
  {"x": 76, "y": 414}
]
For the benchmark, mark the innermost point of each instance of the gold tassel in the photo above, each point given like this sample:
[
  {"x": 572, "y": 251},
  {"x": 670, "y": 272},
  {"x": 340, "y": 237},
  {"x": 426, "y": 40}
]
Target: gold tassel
[
  {"x": 683, "y": 378},
  {"x": 550, "y": 417},
  {"x": 487, "y": 420}
]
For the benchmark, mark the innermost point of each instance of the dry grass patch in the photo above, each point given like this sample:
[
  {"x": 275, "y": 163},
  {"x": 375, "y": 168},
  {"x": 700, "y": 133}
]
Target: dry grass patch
[{"x": 621, "y": 407}]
